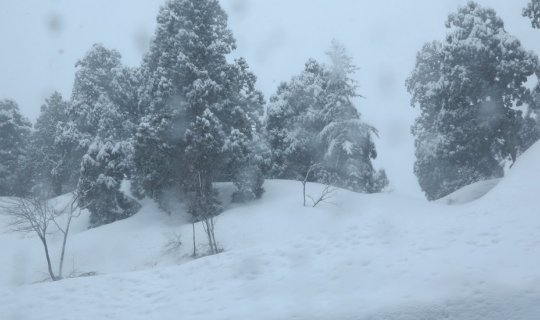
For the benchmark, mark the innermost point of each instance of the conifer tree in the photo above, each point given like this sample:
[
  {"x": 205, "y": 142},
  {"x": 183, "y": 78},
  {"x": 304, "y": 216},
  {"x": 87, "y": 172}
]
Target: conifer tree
[
  {"x": 531, "y": 130},
  {"x": 294, "y": 122},
  {"x": 104, "y": 101},
  {"x": 187, "y": 82},
  {"x": 245, "y": 157},
  {"x": 466, "y": 88},
  {"x": 15, "y": 132},
  {"x": 49, "y": 159},
  {"x": 204, "y": 141},
  {"x": 347, "y": 141},
  {"x": 313, "y": 124},
  {"x": 103, "y": 168},
  {"x": 102, "y": 117},
  {"x": 532, "y": 11}
]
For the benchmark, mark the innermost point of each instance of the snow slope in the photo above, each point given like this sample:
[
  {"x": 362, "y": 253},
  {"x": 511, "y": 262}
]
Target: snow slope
[
  {"x": 469, "y": 193},
  {"x": 381, "y": 256}
]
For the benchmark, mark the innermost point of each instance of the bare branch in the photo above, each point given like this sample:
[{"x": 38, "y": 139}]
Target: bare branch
[
  {"x": 311, "y": 167},
  {"x": 327, "y": 193},
  {"x": 173, "y": 243},
  {"x": 32, "y": 215},
  {"x": 28, "y": 215},
  {"x": 36, "y": 215},
  {"x": 306, "y": 178}
]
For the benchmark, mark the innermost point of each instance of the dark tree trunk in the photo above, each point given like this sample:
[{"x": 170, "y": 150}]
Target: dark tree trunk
[{"x": 49, "y": 266}]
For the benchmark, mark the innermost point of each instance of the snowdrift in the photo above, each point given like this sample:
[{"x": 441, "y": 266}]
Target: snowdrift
[
  {"x": 382, "y": 256},
  {"x": 519, "y": 189},
  {"x": 469, "y": 193}
]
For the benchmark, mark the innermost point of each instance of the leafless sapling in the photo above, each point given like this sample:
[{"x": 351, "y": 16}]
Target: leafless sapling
[
  {"x": 327, "y": 193},
  {"x": 32, "y": 215},
  {"x": 173, "y": 243},
  {"x": 306, "y": 178},
  {"x": 72, "y": 210},
  {"x": 35, "y": 215}
]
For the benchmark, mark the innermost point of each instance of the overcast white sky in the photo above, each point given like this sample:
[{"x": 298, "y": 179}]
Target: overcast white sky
[{"x": 42, "y": 40}]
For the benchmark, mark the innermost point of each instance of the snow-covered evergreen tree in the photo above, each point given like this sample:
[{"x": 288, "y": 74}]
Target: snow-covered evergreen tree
[
  {"x": 15, "y": 132},
  {"x": 158, "y": 160},
  {"x": 467, "y": 88},
  {"x": 104, "y": 100},
  {"x": 532, "y": 11},
  {"x": 347, "y": 141},
  {"x": 186, "y": 78},
  {"x": 245, "y": 157},
  {"x": 102, "y": 114},
  {"x": 294, "y": 122},
  {"x": 204, "y": 141},
  {"x": 94, "y": 107},
  {"x": 102, "y": 170},
  {"x": 531, "y": 131},
  {"x": 240, "y": 112},
  {"x": 50, "y": 159},
  {"x": 313, "y": 120}
]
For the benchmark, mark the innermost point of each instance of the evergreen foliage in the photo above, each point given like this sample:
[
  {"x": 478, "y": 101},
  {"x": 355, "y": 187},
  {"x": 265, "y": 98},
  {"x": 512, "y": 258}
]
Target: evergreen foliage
[
  {"x": 313, "y": 120},
  {"x": 102, "y": 117},
  {"x": 196, "y": 105},
  {"x": 467, "y": 88},
  {"x": 102, "y": 170},
  {"x": 48, "y": 157},
  {"x": 15, "y": 132},
  {"x": 104, "y": 100},
  {"x": 204, "y": 140},
  {"x": 532, "y": 11},
  {"x": 531, "y": 132}
]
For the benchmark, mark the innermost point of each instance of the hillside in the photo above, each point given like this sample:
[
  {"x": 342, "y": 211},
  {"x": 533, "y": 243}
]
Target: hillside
[
  {"x": 382, "y": 256},
  {"x": 469, "y": 193}
]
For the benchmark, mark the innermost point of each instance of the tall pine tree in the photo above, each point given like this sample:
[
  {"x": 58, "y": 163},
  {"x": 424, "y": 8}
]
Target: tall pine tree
[
  {"x": 15, "y": 132},
  {"x": 49, "y": 158},
  {"x": 532, "y": 11},
  {"x": 313, "y": 123},
  {"x": 531, "y": 131},
  {"x": 294, "y": 122},
  {"x": 103, "y": 169},
  {"x": 102, "y": 117},
  {"x": 467, "y": 88},
  {"x": 188, "y": 85}
]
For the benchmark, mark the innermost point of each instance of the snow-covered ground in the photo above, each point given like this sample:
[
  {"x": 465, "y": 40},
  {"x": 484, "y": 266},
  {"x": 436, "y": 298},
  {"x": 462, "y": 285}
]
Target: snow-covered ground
[
  {"x": 469, "y": 193},
  {"x": 382, "y": 256}
]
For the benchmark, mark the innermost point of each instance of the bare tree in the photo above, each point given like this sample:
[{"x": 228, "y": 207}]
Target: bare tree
[
  {"x": 72, "y": 210},
  {"x": 32, "y": 215},
  {"x": 173, "y": 243},
  {"x": 35, "y": 215},
  {"x": 326, "y": 193},
  {"x": 306, "y": 178}
]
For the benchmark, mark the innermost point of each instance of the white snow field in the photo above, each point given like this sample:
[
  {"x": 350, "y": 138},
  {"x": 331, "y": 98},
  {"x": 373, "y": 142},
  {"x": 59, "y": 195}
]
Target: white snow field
[
  {"x": 380, "y": 256},
  {"x": 469, "y": 193}
]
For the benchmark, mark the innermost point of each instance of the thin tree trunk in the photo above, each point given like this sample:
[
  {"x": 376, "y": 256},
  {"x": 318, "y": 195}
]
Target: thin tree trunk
[
  {"x": 51, "y": 273},
  {"x": 211, "y": 235},
  {"x": 56, "y": 186},
  {"x": 306, "y": 178},
  {"x": 304, "y": 184},
  {"x": 194, "y": 246},
  {"x": 214, "y": 236},
  {"x": 60, "y": 268},
  {"x": 208, "y": 234}
]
